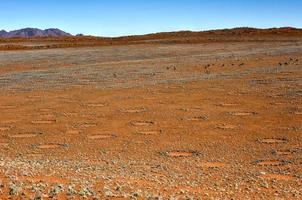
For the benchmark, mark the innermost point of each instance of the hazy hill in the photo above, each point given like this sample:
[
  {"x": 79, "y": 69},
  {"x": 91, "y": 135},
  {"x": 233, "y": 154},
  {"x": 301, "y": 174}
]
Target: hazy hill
[{"x": 33, "y": 32}]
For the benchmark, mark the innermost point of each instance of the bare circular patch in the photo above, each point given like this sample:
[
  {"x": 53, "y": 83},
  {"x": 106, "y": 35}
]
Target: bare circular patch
[
  {"x": 43, "y": 121},
  {"x": 198, "y": 118},
  {"x": 243, "y": 113},
  {"x": 212, "y": 164},
  {"x": 278, "y": 103},
  {"x": 142, "y": 123},
  {"x": 70, "y": 114},
  {"x": 25, "y": 135},
  {"x": 273, "y": 140},
  {"x": 181, "y": 153},
  {"x": 227, "y": 104},
  {"x": 283, "y": 152},
  {"x": 35, "y": 97},
  {"x": 73, "y": 132},
  {"x": 47, "y": 116},
  {"x": 134, "y": 110},
  {"x": 100, "y": 136},
  {"x": 34, "y": 155},
  {"x": 9, "y": 121},
  {"x": 96, "y": 105},
  {"x": 148, "y": 132},
  {"x": 190, "y": 109},
  {"x": 226, "y": 126},
  {"x": 4, "y": 128},
  {"x": 50, "y": 146},
  {"x": 3, "y": 144},
  {"x": 280, "y": 177},
  {"x": 7, "y": 107},
  {"x": 270, "y": 163},
  {"x": 88, "y": 125},
  {"x": 45, "y": 109}
]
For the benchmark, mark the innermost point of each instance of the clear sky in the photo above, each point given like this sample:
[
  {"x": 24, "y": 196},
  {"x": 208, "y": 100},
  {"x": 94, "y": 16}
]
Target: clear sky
[{"x": 127, "y": 17}]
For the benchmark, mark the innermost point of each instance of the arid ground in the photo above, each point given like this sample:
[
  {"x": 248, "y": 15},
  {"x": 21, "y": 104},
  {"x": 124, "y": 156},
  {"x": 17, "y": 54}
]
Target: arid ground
[{"x": 154, "y": 119}]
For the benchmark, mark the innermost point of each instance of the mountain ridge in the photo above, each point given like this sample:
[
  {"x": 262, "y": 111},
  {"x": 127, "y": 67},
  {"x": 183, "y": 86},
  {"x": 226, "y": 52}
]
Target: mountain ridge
[{"x": 34, "y": 32}]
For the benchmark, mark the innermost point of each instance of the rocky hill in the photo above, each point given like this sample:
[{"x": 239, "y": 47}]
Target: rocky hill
[{"x": 33, "y": 32}]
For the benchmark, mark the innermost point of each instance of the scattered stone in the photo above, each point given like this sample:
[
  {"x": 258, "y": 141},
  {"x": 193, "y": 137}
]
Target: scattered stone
[
  {"x": 14, "y": 189},
  {"x": 55, "y": 190}
]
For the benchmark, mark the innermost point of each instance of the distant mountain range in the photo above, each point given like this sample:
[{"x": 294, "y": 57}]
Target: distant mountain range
[
  {"x": 33, "y": 32},
  {"x": 241, "y": 31}
]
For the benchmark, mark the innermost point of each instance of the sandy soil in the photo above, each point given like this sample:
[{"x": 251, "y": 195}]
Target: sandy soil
[{"x": 152, "y": 121}]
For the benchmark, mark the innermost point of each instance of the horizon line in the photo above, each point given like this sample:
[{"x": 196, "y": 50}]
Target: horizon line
[{"x": 159, "y": 32}]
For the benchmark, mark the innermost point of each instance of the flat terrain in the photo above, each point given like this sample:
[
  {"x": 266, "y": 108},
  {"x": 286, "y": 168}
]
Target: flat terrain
[{"x": 153, "y": 120}]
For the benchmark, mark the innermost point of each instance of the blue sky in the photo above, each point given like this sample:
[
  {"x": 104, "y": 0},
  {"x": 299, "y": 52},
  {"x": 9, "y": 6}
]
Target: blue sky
[{"x": 127, "y": 17}]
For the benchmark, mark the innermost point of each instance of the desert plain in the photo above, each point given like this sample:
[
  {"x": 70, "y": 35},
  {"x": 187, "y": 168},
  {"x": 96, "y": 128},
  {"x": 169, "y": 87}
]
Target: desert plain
[{"x": 210, "y": 115}]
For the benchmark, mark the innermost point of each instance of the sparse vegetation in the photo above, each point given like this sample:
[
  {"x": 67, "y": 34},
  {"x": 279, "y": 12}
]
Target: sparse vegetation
[{"x": 171, "y": 116}]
